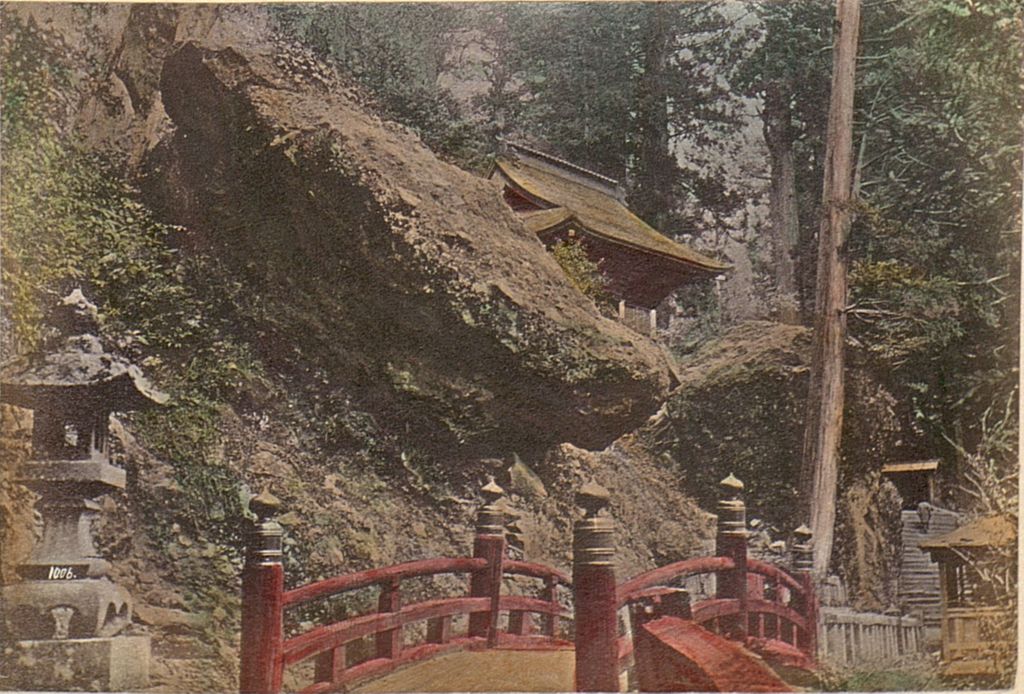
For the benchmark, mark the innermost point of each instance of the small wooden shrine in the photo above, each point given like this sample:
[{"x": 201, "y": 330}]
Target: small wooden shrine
[
  {"x": 915, "y": 480},
  {"x": 560, "y": 201},
  {"x": 977, "y": 565}
]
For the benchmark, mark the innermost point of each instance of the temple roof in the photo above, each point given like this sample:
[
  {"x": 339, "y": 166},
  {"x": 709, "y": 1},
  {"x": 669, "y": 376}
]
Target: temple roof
[
  {"x": 990, "y": 531},
  {"x": 565, "y": 192}
]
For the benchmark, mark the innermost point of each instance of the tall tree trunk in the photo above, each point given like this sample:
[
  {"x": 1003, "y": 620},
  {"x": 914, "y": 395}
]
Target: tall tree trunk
[
  {"x": 824, "y": 424},
  {"x": 777, "y": 123},
  {"x": 499, "y": 72},
  {"x": 652, "y": 195}
]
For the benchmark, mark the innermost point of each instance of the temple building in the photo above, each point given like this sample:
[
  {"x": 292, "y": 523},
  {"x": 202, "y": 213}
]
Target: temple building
[{"x": 560, "y": 201}]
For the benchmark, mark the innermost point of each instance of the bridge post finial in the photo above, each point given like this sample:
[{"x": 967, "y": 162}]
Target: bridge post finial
[
  {"x": 489, "y": 544},
  {"x": 261, "y": 664},
  {"x": 731, "y": 542},
  {"x": 596, "y": 606},
  {"x": 266, "y": 536},
  {"x": 490, "y": 518}
]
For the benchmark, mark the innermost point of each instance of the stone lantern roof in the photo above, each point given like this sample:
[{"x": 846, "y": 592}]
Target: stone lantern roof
[{"x": 76, "y": 370}]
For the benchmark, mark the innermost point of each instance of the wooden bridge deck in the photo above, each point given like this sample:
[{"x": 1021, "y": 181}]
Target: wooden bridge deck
[{"x": 483, "y": 671}]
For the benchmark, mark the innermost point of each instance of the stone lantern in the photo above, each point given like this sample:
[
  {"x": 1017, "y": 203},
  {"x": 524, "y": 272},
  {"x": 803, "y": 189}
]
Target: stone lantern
[{"x": 65, "y": 608}]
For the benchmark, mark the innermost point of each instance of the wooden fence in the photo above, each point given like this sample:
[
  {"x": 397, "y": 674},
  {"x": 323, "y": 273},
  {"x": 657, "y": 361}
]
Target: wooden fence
[{"x": 852, "y": 638}]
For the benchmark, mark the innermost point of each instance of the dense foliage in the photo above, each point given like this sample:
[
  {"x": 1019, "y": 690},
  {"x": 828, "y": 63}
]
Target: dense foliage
[
  {"x": 583, "y": 272},
  {"x": 70, "y": 221},
  {"x": 935, "y": 275},
  {"x": 602, "y": 94},
  {"x": 785, "y": 62},
  {"x": 387, "y": 50}
]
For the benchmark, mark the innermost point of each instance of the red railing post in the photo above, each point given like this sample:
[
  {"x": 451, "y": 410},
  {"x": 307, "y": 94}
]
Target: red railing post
[
  {"x": 261, "y": 665},
  {"x": 489, "y": 544},
  {"x": 439, "y": 630},
  {"x": 330, "y": 665},
  {"x": 550, "y": 594},
  {"x": 731, "y": 541},
  {"x": 520, "y": 622},
  {"x": 593, "y": 579},
  {"x": 803, "y": 566},
  {"x": 389, "y": 643}
]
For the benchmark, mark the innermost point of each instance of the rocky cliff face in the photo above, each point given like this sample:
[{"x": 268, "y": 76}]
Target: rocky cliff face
[
  {"x": 410, "y": 282},
  {"x": 417, "y": 293}
]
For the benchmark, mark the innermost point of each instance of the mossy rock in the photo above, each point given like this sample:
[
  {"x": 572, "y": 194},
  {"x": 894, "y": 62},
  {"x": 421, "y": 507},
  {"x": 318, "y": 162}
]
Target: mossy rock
[{"x": 740, "y": 409}]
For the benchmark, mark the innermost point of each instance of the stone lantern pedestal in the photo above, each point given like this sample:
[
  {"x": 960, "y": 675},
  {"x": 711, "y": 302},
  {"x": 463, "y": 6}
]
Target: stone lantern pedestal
[
  {"x": 66, "y": 614},
  {"x": 112, "y": 664}
]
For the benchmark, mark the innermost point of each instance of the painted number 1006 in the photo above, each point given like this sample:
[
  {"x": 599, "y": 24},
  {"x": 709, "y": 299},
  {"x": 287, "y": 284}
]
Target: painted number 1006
[{"x": 58, "y": 573}]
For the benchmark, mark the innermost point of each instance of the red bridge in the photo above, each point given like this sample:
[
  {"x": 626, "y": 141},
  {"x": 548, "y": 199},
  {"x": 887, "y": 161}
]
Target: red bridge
[{"x": 643, "y": 634}]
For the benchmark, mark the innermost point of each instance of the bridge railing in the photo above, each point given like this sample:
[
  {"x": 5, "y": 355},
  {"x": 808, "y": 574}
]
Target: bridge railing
[
  {"x": 266, "y": 653},
  {"x": 547, "y": 605},
  {"x": 328, "y": 642},
  {"x": 775, "y": 606},
  {"x": 756, "y": 603}
]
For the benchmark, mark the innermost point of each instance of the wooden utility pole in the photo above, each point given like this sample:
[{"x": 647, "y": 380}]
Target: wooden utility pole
[{"x": 824, "y": 424}]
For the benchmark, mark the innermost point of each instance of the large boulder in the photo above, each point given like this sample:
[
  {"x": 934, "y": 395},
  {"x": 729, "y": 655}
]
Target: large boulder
[
  {"x": 868, "y": 543},
  {"x": 379, "y": 280},
  {"x": 401, "y": 284},
  {"x": 740, "y": 408}
]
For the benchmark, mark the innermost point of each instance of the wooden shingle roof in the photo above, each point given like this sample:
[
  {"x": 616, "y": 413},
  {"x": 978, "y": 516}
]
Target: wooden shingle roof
[
  {"x": 990, "y": 531},
  {"x": 564, "y": 198}
]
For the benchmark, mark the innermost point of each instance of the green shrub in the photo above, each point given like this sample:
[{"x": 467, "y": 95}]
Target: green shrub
[
  {"x": 912, "y": 677},
  {"x": 584, "y": 273},
  {"x": 69, "y": 220}
]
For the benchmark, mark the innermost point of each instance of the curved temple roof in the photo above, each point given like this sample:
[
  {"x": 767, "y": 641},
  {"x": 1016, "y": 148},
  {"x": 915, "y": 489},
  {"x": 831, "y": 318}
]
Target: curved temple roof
[{"x": 564, "y": 198}]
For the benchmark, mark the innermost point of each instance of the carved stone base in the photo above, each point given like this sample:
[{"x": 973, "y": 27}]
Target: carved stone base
[
  {"x": 60, "y": 609},
  {"x": 96, "y": 665}
]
